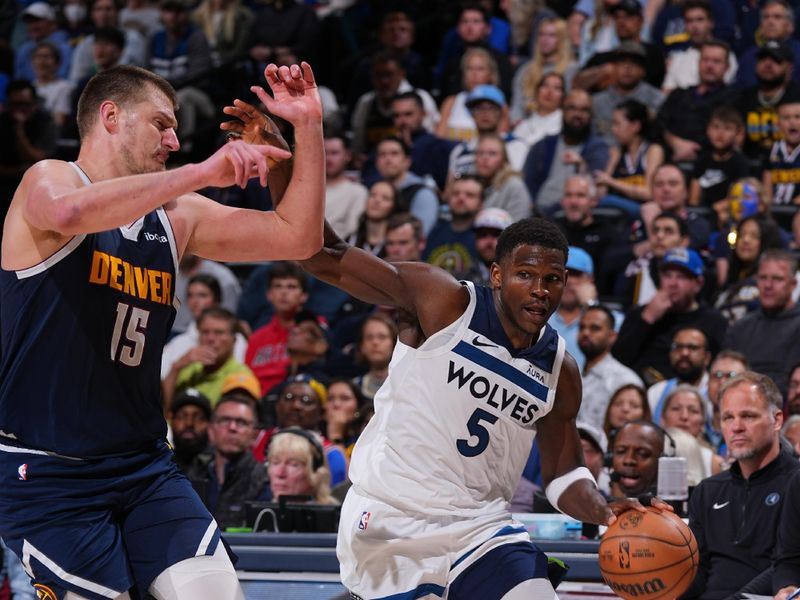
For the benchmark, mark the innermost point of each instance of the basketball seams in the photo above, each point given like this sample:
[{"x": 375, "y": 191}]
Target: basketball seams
[
  {"x": 663, "y": 573},
  {"x": 640, "y": 571},
  {"x": 643, "y": 537}
]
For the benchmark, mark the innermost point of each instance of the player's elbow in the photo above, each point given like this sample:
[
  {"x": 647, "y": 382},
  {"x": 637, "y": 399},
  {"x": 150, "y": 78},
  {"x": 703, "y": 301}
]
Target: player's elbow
[
  {"x": 66, "y": 218},
  {"x": 309, "y": 247}
]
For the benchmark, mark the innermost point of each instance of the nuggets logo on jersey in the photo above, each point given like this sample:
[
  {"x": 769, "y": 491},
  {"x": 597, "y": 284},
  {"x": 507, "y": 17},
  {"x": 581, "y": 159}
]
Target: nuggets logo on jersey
[
  {"x": 43, "y": 592},
  {"x": 139, "y": 282}
]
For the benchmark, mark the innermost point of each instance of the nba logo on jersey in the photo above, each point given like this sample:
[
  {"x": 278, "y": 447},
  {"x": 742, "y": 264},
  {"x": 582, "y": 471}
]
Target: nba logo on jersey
[
  {"x": 363, "y": 522},
  {"x": 22, "y": 471}
]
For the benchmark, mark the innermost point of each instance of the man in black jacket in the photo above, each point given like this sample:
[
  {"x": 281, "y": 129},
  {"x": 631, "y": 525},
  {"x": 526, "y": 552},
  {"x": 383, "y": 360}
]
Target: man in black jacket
[
  {"x": 645, "y": 337},
  {"x": 229, "y": 476},
  {"x": 734, "y": 515},
  {"x": 768, "y": 336}
]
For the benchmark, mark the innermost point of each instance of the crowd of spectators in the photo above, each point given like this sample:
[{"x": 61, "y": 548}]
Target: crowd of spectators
[{"x": 661, "y": 136}]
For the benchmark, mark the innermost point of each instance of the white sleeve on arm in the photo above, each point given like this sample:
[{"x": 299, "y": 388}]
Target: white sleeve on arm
[{"x": 560, "y": 484}]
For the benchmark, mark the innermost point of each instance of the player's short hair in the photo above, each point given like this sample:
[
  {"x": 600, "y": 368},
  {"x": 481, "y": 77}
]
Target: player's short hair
[
  {"x": 124, "y": 85},
  {"x": 287, "y": 269},
  {"x": 210, "y": 282},
  {"x": 531, "y": 232}
]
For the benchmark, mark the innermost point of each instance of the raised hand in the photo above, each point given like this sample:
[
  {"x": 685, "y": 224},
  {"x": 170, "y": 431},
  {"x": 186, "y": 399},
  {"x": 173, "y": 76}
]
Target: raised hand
[
  {"x": 237, "y": 162},
  {"x": 296, "y": 98},
  {"x": 254, "y": 127}
]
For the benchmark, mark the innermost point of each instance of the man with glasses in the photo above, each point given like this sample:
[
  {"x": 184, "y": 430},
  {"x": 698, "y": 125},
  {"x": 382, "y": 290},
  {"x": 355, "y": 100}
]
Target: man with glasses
[
  {"x": 689, "y": 357},
  {"x": 229, "y": 475},
  {"x": 768, "y": 336}
]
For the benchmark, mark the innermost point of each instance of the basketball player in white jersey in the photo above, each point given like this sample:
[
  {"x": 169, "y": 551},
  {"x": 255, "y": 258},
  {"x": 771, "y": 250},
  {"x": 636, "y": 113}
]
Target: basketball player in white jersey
[{"x": 477, "y": 373}]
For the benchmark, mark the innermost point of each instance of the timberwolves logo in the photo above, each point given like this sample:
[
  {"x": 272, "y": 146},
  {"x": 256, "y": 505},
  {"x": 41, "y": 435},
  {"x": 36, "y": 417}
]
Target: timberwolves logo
[
  {"x": 772, "y": 499},
  {"x": 43, "y": 592},
  {"x": 630, "y": 520}
]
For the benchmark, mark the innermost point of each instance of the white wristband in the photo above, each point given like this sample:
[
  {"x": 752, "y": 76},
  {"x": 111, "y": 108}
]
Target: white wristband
[{"x": 559, "y": 485}]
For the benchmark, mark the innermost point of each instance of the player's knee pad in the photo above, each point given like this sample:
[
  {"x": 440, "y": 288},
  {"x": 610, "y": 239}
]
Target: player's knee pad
[
  {"x": 199, "y": 578},
  {"x": 541, "y": 589}
]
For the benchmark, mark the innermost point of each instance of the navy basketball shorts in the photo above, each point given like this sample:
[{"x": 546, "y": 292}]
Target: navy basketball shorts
[{"x": 100, "y": 527}]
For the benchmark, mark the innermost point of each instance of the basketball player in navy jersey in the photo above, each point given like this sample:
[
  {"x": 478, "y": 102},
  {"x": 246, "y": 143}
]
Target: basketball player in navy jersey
[
  {"x": 476, "y": 374},
  {"x": 92, "y": 502}
]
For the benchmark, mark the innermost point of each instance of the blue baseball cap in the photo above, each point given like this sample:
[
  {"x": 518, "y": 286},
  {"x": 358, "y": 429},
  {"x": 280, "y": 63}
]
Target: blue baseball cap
[
  {"x": 490, "y": 93},
  {"x": 579, "y": 260},
  {"x": 684, "y": 258}
]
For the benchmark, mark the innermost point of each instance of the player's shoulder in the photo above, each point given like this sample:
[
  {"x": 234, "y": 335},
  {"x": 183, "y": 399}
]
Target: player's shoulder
[{"x": 51, "y": 168}]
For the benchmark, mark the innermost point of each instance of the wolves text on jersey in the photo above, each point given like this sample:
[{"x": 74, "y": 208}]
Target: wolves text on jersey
[{"x": 518, "y": 408}]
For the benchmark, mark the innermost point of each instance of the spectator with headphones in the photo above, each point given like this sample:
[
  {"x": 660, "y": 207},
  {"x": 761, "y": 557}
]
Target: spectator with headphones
[
  {"x": 634, "y": 455},
  {"x": 297, "y": 466},
  {"x": 734, "y": 515}
]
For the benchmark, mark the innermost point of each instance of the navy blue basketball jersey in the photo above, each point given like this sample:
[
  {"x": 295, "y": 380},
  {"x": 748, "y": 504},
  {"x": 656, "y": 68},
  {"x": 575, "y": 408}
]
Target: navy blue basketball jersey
[
  {"x": 784, "y": 169},
  {"x": 82, "y": 337}
]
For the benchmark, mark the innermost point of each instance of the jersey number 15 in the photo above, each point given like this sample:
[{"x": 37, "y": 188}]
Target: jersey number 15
[{"x": 128, "y": 349}]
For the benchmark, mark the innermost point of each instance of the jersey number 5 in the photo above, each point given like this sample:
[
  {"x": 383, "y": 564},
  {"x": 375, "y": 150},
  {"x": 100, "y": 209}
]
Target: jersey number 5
[
  {"x": 476, "y": 430},
  {"x": 129, "y": 350}
]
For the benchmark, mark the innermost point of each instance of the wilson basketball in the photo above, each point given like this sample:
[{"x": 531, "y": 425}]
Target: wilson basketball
[{"x": 648, "y": 555}]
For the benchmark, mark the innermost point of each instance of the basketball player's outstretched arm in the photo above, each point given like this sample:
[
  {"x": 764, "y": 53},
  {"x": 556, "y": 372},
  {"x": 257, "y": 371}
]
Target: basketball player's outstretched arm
[
  {"x": 560, "y": 448},
  {"x": 427, "y": 292},
  {"x": 294, "y": 229}
]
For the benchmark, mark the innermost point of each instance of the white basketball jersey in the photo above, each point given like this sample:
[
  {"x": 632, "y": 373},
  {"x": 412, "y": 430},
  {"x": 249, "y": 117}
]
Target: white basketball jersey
[{"x": 455, "y": 420}]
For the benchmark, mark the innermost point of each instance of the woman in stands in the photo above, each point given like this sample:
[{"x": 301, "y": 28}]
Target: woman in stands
[
  {"x": 545, "y": 116},
  {"x": 632, "y": 161},
  {"x": 297, "y": 466},
  {"x": 503, "y": 186},
  {"x": 737, "y": 274},
  {"x": 628, "y": 403},
  {"x": 477, "y": 68},
  {"x": 685, "y": 409},
  {"x": 552, "y": 54},
  {"x": 375, "y": 347},
  {"x": 342, "y": 413},
  {"x": 383, "y": 201}
]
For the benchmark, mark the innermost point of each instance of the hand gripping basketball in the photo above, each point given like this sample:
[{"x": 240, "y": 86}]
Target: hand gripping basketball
[{"x": 648, "y": 555}]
